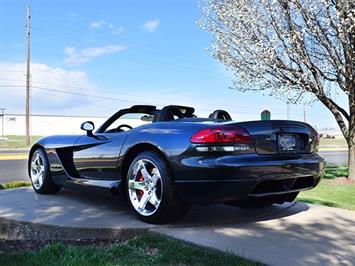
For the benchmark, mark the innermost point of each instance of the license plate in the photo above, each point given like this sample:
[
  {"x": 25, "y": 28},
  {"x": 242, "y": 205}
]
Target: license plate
[{"x": 287, "y": 143}]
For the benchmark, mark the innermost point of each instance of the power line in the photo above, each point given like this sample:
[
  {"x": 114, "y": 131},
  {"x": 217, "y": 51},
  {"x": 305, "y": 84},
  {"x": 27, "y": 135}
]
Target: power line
[
  {"x": 131, "y": 94},
  {"x": 83, "y": 94},
  {"x": 14, "y": 71},
  {"x": 132, "y": 102},
  {"x": 11, "y": 86},
  {"x": 72, "y": 99}
]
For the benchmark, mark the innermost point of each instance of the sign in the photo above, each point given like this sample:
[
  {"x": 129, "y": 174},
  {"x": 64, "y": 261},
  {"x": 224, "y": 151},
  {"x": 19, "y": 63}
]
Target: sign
[
  {"x": 265, "y": 115},
  {"x": 11, "y": 119}
]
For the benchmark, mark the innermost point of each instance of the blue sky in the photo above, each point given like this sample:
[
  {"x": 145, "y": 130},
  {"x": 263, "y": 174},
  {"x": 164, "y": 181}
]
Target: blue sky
[{"x": 94, "y": 57}]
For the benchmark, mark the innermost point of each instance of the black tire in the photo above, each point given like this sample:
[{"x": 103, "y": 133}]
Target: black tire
[
  {"x": 170, "y": 207},
  {"x": 255, "y": 202},
  {"x": 47, "y": 186}
]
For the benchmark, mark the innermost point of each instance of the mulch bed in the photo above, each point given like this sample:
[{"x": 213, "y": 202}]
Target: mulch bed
[
  {"x": 15, "y": 246},
  {"x": 340, "y": 181}
]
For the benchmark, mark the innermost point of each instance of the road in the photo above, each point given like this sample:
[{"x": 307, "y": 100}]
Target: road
[
  {"x": 335, "y": 157},
  {"x": 11, "y": 170}
]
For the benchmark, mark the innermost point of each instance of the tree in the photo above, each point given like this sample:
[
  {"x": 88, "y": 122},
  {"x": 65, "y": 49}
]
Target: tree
[{"x": 291, "y": 49}]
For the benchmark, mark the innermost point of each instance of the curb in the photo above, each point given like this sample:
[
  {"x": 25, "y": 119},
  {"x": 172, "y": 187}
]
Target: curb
[
  {"x": 333, "y": 149},
  {"x": 19, "y": 230},
  {"x": 4, "y": 157}
]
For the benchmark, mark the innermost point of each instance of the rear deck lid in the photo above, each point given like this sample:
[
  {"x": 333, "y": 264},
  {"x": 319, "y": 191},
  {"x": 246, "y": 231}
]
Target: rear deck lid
[{"x": 281, "y": 136}]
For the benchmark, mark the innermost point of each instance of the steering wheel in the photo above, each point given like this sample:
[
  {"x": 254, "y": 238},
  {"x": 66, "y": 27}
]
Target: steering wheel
[{"x": 119, "y": 128}]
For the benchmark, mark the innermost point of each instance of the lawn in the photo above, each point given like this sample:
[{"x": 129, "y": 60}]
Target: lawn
[
  {"x": 330, "y": 194},
  {"x": 14, "y": 184},
  {"x": 17, "y": 142},
  {"x": 338, "y": 143},
  {"x": 147, "y": 249},
  {"x": 333, "y": 171}
]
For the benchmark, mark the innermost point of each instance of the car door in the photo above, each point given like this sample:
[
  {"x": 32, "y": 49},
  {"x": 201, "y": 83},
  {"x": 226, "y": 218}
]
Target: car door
[{"x": 95, "y": 157}]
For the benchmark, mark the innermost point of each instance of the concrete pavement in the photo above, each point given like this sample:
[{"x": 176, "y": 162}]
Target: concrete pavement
[
  {"x": 317, "y": 235},
  {"x": 288, "y": 234}
]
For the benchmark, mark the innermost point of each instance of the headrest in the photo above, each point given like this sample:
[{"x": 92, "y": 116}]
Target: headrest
[
  {"x": 168, "y": 113},
  {"x": 220, "y": 115}
]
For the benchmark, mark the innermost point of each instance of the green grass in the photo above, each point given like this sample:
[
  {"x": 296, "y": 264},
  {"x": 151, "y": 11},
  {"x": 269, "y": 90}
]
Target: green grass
[
  {"x": 333, "y": 171},
  {"x": 147, "y": 249},
  {"x": 15, "y": 184},
  {"x": 17, "y": 142},
  {"x": 339, "y": 141},
  {"x": 332, "y": 195},
  {"x": 339, "y": 196}
]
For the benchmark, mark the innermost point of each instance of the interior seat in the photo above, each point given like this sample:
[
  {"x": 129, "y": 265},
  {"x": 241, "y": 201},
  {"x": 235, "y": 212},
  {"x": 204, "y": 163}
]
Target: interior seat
[
  {"x": 156, "y": 116},
  {"x": 220, "y": 115},
  {"x": 168, "y": 113}
]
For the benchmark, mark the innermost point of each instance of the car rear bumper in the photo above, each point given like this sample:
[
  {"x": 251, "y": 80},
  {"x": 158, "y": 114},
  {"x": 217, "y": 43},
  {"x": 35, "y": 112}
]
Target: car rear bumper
[{"x": 229, "y": 178}]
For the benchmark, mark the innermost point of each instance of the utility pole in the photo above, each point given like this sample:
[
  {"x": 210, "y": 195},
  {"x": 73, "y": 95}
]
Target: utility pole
[
  {"x": 2, "y": 123},
  {"x": 28, "y": 28},
  {"x": 304, "y": 113},
  {"x": 288, "y": 111}
]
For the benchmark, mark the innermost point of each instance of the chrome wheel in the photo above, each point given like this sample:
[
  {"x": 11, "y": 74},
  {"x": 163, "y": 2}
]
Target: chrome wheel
[
  {"x": 37, "y": 170},
  {"x": 145, "y": 187}
]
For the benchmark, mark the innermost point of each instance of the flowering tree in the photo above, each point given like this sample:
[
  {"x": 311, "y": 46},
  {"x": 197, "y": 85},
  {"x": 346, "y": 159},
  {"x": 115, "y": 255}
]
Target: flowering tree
[{"x": 291, "y": 49}]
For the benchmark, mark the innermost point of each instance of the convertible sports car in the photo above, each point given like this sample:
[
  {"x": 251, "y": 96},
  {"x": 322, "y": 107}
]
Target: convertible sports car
[{"x": 162, "y": 161}]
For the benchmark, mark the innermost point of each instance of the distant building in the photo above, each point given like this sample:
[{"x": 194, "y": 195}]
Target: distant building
[
  {"x": 14, "y": 124},
  {"x": 329, "y": 132}
]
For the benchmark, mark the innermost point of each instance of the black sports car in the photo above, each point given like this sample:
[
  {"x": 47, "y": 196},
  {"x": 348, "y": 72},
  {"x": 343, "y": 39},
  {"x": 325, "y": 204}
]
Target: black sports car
[{"x": 164, "y": 160}]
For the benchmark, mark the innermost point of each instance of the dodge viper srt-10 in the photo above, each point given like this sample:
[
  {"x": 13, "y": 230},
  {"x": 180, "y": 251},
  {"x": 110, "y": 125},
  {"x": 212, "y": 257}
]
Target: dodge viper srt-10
[{"x": 163, "y": 160}]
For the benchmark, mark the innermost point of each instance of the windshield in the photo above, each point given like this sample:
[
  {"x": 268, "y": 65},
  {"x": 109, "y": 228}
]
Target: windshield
[{"x": 129, "y": 121}]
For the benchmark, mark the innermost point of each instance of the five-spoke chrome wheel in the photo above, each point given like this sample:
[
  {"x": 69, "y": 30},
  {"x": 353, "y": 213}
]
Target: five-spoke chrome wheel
[
  {"x": 145, "y": 187},
  {"x": 37, "y": 170}
]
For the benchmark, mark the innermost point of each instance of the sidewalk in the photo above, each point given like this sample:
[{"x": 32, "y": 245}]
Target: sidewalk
[
  {"x": 318, "y": 235},
  {"x": 287, "y": 234}
]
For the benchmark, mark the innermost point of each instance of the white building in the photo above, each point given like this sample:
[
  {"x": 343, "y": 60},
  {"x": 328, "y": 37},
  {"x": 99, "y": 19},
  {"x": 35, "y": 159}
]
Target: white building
[{"x": 43, "y": 125}]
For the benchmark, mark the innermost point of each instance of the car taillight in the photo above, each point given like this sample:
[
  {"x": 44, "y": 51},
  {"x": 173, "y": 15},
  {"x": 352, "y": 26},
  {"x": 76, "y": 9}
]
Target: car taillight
[
  {"x": 226, "y": 138},
  {"x": 222, "y": 135}
]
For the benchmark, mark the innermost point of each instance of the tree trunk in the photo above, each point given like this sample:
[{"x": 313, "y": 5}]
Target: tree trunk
[
  {"x": 351, "y": 157},
  {"x": 351, "y": 131}
]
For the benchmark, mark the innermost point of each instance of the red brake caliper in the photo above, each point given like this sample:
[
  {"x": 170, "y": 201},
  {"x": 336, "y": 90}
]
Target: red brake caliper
[{"x": 139, "y": 178}]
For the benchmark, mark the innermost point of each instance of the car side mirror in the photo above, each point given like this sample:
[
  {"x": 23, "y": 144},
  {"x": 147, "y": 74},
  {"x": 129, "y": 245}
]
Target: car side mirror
[{"x": 89, "y": 127}]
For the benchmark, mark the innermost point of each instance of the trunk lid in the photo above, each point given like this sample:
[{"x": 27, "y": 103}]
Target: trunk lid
[{"x": 281, "y": 136}]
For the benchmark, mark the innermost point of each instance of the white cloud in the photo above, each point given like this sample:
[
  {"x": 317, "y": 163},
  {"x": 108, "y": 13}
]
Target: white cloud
[
  {"x": 102, "y": 24},
  {"x": 70, "y": 92},
  {"x": 76, "y": 58},
  {"x": 118, "y": 31},
  {"x": 151, "y": 25},
  {"x": 98, "y": 24},
  {"x": 53, "y": 90}
]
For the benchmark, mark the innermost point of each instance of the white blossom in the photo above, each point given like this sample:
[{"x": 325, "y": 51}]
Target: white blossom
[{"x": 291, "y": 49}]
